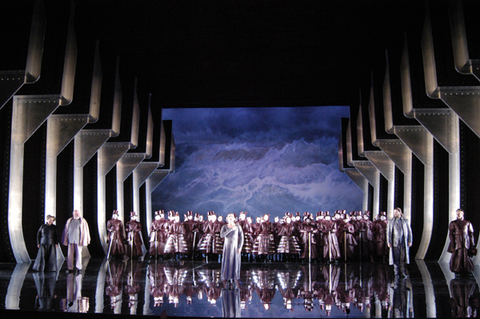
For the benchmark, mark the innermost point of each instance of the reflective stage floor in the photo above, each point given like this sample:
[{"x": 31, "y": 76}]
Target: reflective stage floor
[{"x": 266, "y": 290}]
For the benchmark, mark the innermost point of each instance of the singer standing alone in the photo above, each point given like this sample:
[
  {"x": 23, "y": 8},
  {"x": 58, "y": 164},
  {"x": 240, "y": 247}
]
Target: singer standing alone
[{"x": 232, "y": 248}]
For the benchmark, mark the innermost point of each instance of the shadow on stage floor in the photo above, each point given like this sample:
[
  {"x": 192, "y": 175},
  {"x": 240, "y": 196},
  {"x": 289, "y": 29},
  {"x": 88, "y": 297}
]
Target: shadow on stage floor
[{"x": 266, "y": 290}]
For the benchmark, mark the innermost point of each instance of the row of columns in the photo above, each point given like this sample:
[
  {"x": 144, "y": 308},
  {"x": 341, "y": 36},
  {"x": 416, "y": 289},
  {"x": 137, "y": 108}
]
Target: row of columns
[
  {"x": 32, "y": 110},
  {"x": 432, "y": 123}
]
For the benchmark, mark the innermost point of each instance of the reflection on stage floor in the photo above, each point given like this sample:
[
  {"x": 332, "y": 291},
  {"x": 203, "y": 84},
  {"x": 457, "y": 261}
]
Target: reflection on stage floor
[{"x": 266, "y": 290}]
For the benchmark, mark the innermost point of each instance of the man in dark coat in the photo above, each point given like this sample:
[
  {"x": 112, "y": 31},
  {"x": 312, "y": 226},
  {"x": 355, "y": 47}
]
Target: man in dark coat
[
  {"x": 47, "y": 242},
  {"x": 462, "y": 241}
]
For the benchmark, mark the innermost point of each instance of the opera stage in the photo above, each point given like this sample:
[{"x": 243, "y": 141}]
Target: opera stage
[{"x": 267, "y": 290}]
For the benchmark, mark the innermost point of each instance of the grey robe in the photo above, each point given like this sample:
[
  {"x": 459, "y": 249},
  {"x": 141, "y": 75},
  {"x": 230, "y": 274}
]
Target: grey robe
[
  {"x": 407, "y": 236},
  {"x": 231, "y": 259}
]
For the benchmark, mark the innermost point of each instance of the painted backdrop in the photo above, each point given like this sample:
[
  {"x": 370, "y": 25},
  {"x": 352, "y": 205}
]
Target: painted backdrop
[{"x": 260, "y": 160}]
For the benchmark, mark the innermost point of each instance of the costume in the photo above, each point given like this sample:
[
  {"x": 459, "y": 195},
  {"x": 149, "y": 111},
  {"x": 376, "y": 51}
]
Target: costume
[
  {"x": 134, "y": 237},
  {"x": 365, "y": 236},
  {"x": 289, "y": 243},
  {"x": 189, "y": 225},
  {"x": 176, "y": 243},
  {"x": 247, "y": 229},
  {"x": 76, "y": 235},
  {"x": 47, "y": 239},
  {"x": 231, "y": 259},
  {"x": 379, "y": 229},
  {"x": 461, "y": 241},
  {"x": 158, "y": 234},
  {"x": 116, "y": 236},
  {"x": 211, "y": 242},
  {"x": 347, "y": 240},
  {"x": 331, "y": 248},
  {"x": 264, "y": 243},
  {"x": 319, "y": 238},
  {"x": 309, "y": 243},
  {"x": 399, "y": 236}
]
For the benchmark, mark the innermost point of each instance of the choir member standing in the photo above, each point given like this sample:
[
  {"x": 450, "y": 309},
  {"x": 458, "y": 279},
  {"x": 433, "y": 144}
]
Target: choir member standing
[
  {"x": 379, "y": 230},
  {"x": 176, "y": 243},
  {"x": 197, "y": 234},
  {"x": 348, "y": 241},
  {"x": 462, "y": 244},
  {"x": 264, "y": 243},
  {"x": 308, "y": 232},
  {"x": 331, "y": 249},
  {"x": 210, "y": 241},
  {"x": 366, "y": 237},
  {"x": 319, "y": 221},
  {"x": 217, "y": 226},
  {"x": 189, "y": 225},
  {"x": 116, "y": 236},
  {"x": 135, "y": 246},
  {"x": 289, "y": 244},
  {"x": 247, "y": 228},
  {"x": 158, "y": 234}
]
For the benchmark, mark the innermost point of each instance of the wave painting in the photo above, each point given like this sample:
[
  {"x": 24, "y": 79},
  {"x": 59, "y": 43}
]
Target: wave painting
[{"x": 261, "y": 160}]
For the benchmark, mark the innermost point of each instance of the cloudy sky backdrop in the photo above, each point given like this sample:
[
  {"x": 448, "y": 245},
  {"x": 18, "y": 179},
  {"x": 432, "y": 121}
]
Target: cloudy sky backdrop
[{"x": 260, "y": 160}]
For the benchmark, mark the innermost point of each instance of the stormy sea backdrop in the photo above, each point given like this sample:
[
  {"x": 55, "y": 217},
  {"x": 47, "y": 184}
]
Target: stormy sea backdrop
[{"x": 262, "y": 160}]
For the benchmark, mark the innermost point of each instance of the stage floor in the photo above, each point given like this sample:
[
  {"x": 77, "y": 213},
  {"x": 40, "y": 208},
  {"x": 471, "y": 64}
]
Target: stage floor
[{"x": 266, "y": 290}]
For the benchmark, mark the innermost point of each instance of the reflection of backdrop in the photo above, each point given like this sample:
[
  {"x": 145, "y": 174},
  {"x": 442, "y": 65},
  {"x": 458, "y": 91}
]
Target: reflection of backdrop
[{"x": 262, "y": 160}]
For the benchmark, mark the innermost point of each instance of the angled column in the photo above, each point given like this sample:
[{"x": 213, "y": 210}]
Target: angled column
[
  {"x": 420, "y": 143},
  {"x": 28, "y": 114},
  {"x": 129, "y": 161},
  {"x": 344, "y": 146},
  {"x": 61, "y": 129},
  {"x": 361, "y": 164},
  {"x": 125, "y": 166},
  {"x": 396, "y": 149},
  {"x": 144, "y": 169},
  {"x": 87, "y": 142},
  {"x": 86, "y": 145},
  {"x": 12, "y": 80},
  {"x": 107, "y": 156},
  {"x": 464, "y": 64},
  {"x": 380, "y": 159},
  {"x": 365, "y": 167},
  {"x": 372, "y": 175},
  {"x": 152, "y": 182},
  {"x": 443, "y": 124}
]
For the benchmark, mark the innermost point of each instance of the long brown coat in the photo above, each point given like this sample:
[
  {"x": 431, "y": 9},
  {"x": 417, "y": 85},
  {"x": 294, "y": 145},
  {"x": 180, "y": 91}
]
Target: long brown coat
[
  {"x": 461, "y": 240},
  {"x": 116, "y": 237}
]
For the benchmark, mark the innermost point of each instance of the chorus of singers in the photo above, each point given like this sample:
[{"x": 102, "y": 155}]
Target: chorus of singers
[{"x": 326, "y": 237}]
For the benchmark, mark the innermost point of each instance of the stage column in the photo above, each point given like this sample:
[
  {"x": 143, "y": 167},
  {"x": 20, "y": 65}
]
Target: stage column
[
  {"x": 443, "y": 124},
  {"x": 29, "y": 112}
]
